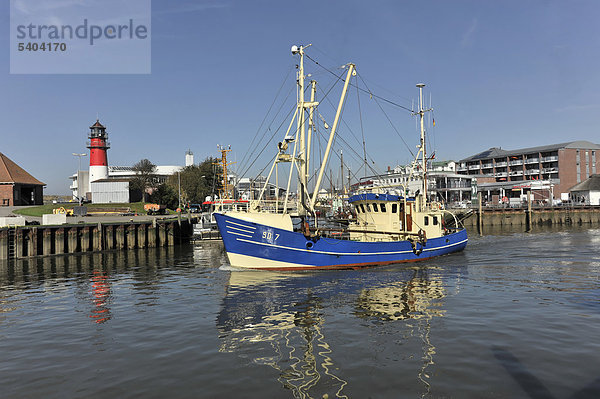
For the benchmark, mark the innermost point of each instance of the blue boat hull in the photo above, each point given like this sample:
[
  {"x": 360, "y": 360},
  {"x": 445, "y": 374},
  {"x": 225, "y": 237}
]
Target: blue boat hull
[{"x": 257, "y": 246}]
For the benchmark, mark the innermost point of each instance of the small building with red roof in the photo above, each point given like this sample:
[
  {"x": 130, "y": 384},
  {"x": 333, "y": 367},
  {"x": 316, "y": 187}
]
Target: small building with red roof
[{"x": 17, "y": 187}]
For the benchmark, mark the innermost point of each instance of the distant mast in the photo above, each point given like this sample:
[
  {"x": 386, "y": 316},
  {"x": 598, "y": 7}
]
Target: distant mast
[{"x": 227, "y": 191}]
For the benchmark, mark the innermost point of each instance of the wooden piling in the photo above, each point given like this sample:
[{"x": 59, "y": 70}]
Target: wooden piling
[
  {"x": 132, "y": 230},
  {"x": 59, "y": 241},
  {"x": 3, "y": 244},
  {"x": 480, "y": 215},
  {"x": 73, "y": 242},
  {"x": 162, "y": 234},
  {"x": 528, "y": 219}
]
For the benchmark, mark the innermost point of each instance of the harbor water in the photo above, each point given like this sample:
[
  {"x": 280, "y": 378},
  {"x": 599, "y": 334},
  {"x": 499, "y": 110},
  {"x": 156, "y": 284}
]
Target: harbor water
[{"x": 516, "y": 315}]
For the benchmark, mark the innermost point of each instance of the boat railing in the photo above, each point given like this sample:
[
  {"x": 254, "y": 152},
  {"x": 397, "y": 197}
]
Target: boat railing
[{"x": 275, "y": 206}]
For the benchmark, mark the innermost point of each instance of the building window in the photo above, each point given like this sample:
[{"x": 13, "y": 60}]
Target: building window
[{"x": 578, "y": 173}]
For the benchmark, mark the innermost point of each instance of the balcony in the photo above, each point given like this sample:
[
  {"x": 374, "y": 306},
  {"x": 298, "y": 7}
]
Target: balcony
[
  {"x": 473, "y": 167},
  {"x": 529, "y": 161},
  {"x": 550, "y": 170},
  {"x": 461, "y": 168},
  {"x": 501, "y": 164},
  {"x": 516, "y": 173},
  {"x": 500, "y": 174},
  {"x": 90, "y": 145},
  {"x": 532, "y": 172},
  {"x": 553, "y": 158},
  {"x": 516, "y": 162},
  {"x": 487, "y": 166}
]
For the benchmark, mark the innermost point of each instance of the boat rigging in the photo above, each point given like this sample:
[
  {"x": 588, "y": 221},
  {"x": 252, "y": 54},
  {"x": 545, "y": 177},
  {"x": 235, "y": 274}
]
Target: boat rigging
[{"x": 390, "y": 226}]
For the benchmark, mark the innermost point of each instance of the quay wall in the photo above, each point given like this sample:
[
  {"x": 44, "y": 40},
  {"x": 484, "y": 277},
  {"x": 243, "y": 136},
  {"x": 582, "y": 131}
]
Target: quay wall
[
  {"x": 24, "y": 242},
  {"x": 539, "y": 216}
]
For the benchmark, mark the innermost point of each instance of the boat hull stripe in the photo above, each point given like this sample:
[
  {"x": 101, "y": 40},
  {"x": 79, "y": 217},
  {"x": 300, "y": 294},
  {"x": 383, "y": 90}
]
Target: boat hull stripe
[
  {"x": 242, "y": 225},
  {"x": 425, "y": 249},
  {"x": 239, "y": 234},
  {"x": 230, "y": 228}
]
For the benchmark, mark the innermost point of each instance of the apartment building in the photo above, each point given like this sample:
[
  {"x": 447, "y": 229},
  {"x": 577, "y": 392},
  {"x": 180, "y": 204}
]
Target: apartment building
[
  {"x": 443, "y": 184},
  {"x": 559, "y": 166}
]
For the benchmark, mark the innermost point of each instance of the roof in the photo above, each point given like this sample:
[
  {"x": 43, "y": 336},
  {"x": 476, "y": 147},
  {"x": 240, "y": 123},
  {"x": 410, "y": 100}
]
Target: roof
[
  {"x": 376, "y": 197},
  {"x": 495, "y": 152},
  {"x": 97, "y": 124},
  {"x": 112, "y": 180},
  {"x": 10, "y": 172},
  {"x": 591, "y": 184}
]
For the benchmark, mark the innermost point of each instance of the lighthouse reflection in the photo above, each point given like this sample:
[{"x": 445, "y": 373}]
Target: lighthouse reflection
[
  {"x": 281, "y": 319},
  {"x": 101, "y": 295}
]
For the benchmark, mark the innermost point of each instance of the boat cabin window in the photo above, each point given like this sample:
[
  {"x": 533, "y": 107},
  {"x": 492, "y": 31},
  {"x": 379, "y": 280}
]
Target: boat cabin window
[
  {"x": 357, "y": 209},
  {"x": 362, "y": 208},
  {"x": 394, "y": 208},
  {"x": 382, "y": 207},
  {"x": 435, "y": 220},
  {"x": 368, "y": 208},
  {"x": 375, "y": 208},
  {"x": 426, "y": 220}
]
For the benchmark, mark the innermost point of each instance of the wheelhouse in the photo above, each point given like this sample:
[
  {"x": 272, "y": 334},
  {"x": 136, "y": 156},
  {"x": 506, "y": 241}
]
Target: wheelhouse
[{"x": 388, "y": 217}]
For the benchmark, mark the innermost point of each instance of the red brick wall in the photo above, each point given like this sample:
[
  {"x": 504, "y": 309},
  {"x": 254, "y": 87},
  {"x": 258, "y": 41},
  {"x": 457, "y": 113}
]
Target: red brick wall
[
  {"x": 567, "y": 171},
  {"x": 6, "y": 193}
]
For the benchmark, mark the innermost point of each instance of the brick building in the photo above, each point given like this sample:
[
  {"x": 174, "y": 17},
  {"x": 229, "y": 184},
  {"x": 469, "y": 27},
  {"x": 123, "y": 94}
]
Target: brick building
[
  {"x": 17, "y": 187},
  {"x": 556, "y": 166}
]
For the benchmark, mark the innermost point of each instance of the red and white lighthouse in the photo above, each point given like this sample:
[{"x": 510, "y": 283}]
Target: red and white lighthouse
[{"x": 98, "y": 145}]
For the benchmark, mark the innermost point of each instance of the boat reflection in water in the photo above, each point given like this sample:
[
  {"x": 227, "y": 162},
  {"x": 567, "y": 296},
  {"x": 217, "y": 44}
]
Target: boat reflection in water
[{"x": 280, "y": 320}]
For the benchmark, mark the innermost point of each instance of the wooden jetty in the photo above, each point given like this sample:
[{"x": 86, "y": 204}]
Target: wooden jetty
[
  {"x": 21, "y": 242},
  {"x": 531, "y": 216}
]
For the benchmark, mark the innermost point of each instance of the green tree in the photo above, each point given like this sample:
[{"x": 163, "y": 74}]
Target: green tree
[
  {"x": 197, "y": 181},
  {"x": 165, "y": 195},
  {"x": 145, "y": 175}
]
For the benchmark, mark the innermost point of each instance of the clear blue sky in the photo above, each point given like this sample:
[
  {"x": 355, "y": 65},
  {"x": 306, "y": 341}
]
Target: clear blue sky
[{"x": 508, "y": 74}]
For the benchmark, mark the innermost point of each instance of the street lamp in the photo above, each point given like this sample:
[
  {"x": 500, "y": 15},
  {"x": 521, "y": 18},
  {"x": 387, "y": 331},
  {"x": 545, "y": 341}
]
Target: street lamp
[{"x": 78, "y": 174}]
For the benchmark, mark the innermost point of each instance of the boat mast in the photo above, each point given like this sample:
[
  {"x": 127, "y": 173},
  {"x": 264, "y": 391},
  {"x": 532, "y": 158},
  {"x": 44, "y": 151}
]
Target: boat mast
[
  {"x": 422, "y": 148},
  {"x": 311, "y": 124},
  {"x": 304, "y": 149},
  {"x": 302, "y": 133}
]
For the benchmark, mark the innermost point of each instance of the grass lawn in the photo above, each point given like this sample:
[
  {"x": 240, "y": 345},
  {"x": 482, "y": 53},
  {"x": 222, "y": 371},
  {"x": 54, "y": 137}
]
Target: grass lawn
[{"x": 136, "y": 207}]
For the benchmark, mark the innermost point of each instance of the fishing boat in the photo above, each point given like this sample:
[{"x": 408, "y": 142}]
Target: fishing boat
[{"x": 390, "y": 226}]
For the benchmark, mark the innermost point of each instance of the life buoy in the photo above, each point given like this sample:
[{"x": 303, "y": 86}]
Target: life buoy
[{"x": 416, "y": 251}]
